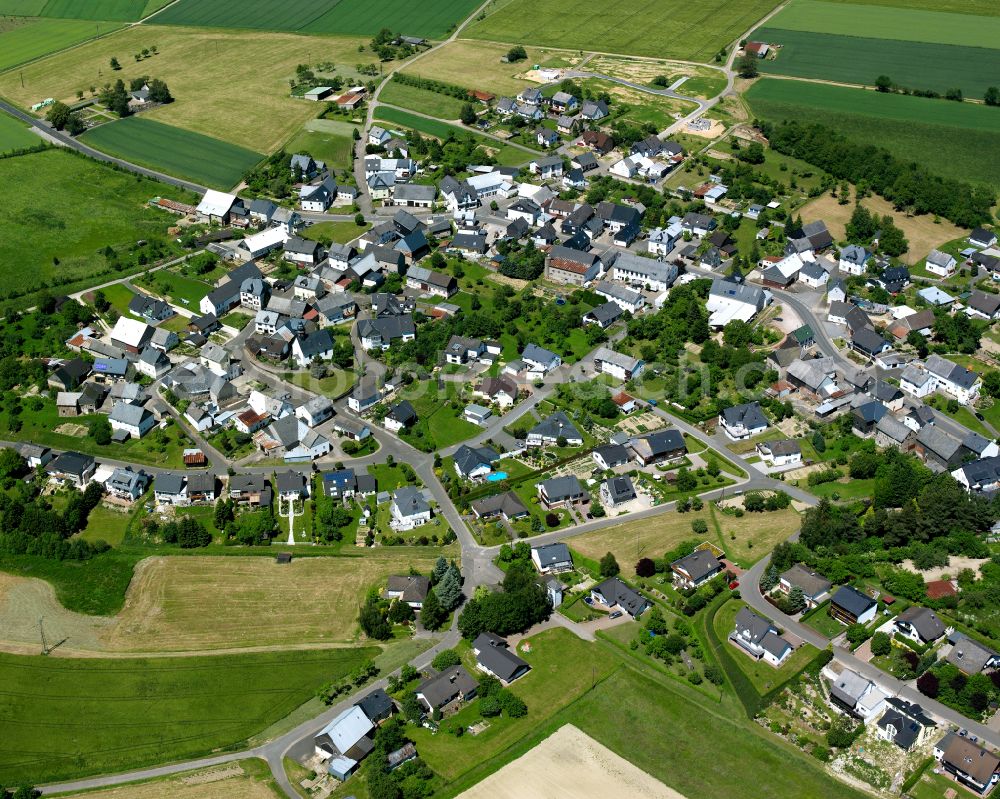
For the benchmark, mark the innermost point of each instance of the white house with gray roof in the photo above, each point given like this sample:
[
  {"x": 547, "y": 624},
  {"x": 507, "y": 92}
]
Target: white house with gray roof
[{"x": 409, "y": 508}]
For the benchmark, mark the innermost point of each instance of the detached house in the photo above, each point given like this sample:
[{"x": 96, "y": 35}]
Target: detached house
[
  {"x": 571, "y": 267},
  {"x": 920, "y": 625},
  {"x": 558, "y": 491},
  {"x": 758, "y": 638},
  {"x": 493, "y": 656},
  {"x": 552, "y": 558},
  {"x": 815, "y": 587},
  {"x": 940, "y": 263},
  {"x": 696, "y": 569},
  {"x": 616, "y": 364},
  {"x": 548, "y": 432},
  {"x": 613, "y": 593},
  {"x": 850, "y": 606},
  {"x": 743, "y": 421},
  {"x": 970, "y": 764}
]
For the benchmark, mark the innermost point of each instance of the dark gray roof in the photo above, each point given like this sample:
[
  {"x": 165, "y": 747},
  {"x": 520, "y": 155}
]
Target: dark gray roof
[
  {"x": 620, "y": 488},
  {"x": 442, "y": 688},
  {"x": 615, "y": 592},
  {"x": 403, "y": 413},
  {"x": 812, "y": 583},
  {"x": 551, "y": 554},
  {"x": 560, "y": 488},
  {"x": 468, "y": 458},
  {"x": 169, "y": 483},
  {"x": 613, "y": 453},
  {"x": 749, "y": 415},
  {"x": 698, "y": 565},
  {"x": 555, "y": 425},
  {"x": 853, "y": 601},
  {"x": 376, "y": 704},
  {"x": 507, "y": 503},
  {"x": 496, "y": 658},
  {"x": 289, "y": 481},
  {"x": 924, "y": 620}
]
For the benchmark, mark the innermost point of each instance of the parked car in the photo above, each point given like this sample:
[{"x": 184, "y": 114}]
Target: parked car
[{"x": 615, "y": 615}]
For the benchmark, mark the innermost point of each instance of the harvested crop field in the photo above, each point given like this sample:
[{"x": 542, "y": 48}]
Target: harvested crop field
[
  {"x": 198, "y": 603},
  {"x": 569, "y": 764},
  {"x": 923, "y": 233}
]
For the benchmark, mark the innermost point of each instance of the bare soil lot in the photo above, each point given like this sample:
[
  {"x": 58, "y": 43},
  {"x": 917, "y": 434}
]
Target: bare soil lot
[
  {"x": 569, "y": 764},
  {"x": 221, "y": 782},
  {"x": 923, "y": 233}
]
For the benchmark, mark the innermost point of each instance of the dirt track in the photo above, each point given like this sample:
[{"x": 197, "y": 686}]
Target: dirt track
[{"x": 569, "y": 764}]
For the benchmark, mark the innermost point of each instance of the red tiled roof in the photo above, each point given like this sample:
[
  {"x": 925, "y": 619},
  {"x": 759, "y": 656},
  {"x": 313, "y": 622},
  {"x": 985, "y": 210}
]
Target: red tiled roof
[{"x": 936, "y": 589}]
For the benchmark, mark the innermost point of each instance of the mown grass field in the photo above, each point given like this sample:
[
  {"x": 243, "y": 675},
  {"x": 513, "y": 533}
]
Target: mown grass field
[
  {"x": 35, "y": 38},
  {"x": 442, "y": 106},
  {"x": 14, "y": 135},
  {"x": 344, "y": 17},
  {"x": 56, "y": 205},
  {"x": 333, "y": 148},
  {"x": 73, "y": 717},
  {"x": 203, "y": 603},
  {"x": 667, "y": 29},
  {"x": 477, "y": 65},
  {"x": 250, "y": 108},
  {"x": 851, "y": 59},
  {"x": 628, "y": 712},
  {"x": 881, "y": 22},
  {"x": 505, "y": 154},
  {"x": 246, "y": 779},
  {"x": 176, "y": 151},
  {"x": 948, "y": 138}
]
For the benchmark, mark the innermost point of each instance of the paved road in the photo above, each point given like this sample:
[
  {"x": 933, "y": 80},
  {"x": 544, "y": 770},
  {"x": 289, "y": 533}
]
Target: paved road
[
  {"x": 75, "y": 144},
  {"x": 750, "y": 592}
]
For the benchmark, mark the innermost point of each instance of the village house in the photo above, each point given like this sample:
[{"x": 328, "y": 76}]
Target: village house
[
  {"x": 696, "y": 569},
  {"x": 741, "y": 422},
  {"x": 615, "y": 595},
  {"x": 561, "y": 491},
  {"x": 815, "y": 588},
  {"x": 850, "y": 606},
  {"x": 759, "y": 639},
  {"x": 493, "y": 656}
]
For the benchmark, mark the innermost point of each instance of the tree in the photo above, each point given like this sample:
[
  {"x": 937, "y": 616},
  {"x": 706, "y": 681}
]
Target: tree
[
  {"x": 114, "y": 64},
  {"x": 58, "y": 115},
  {"x": 609, "y": 566},
  {"x": 796, "y": 599},
  {"x": 883, "y": 83},
  {"x": 992, "y": 96},
  {"x": 449, "y": 590},
  {"x": 432, "y": 615},
  {"x": 818, "y": 442},
  {"x": 746, "y": 66},
  {"x": 223, "y": 514},
  {"x": 445, "y": 659},
  {"x": 467, "y": 114},
  {"x": 158, "y": 91},
  {"x": 881, "y": 644},
  {"x": 928, "y": 684},
  {"x": 440, "y": 567},
  {"x": 843, "y": 731},
  {"x": 11, "y": 463},
  {"x": 516, "y": 53},
  {"x": 646, "y": 567},
  {"x": 400, "y": 612},
  {"x": 100, "y": 430},
  {"x": 359, "y": 219},
  {"x": 373, "y": 619},
  {"x": 856, "y": 633}
]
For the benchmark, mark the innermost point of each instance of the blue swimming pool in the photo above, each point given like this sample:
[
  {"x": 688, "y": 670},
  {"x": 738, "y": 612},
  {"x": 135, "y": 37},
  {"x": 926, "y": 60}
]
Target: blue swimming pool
[{"x": 496, "y": 477}]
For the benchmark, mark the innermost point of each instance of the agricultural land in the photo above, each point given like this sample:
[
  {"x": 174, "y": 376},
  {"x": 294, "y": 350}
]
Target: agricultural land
[{"x": 25, "y": 40}]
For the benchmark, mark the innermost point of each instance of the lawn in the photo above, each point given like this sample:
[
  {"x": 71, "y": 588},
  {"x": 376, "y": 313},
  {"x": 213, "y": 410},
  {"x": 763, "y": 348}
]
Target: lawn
[
  {"x": 984, "y": 7},
  {"x": 245, "y": 779},
  {"x": 59, "y": 210},
  {"x": 335, "y": 149},
  {"x": 103, "y": 707},
  {"x": 914, "y": 25},
  {"x": 749, "y": 538},
  {"x": 352, "y": 17},
  {"x": 505, "y": 155},
  {"x": 340, "y": 232},
  {"x": 763, "y": 676},
  {"x": 254, "y": 110},
  {"x": 823, "y": 623},
  {"x": 28, "y": 40},
  {"x": 669, "y": 29},
  {"x": 443, "y": 106},
  {"x": 176, "y": 151},
  {"x": 177, "y": 289},
  {"x": 389, "y": 477},
  {"x": 946, "y": 137},
  {"x": 848, "y": 490},
  {"x": 158, "y": 448},
  {"x": 336, "y": 382},
  {"x": 107, "y": 524},
  {"x": 563, "y": 668},
  {"x": 15, "y": 135},
  {"x": 117, "y": 294},
  {"x": 853, "y": 59}
]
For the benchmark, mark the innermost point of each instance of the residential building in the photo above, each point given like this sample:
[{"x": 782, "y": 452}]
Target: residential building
[
  {"x": 904, "y": 724},
  {"x": 970, "y": 764},
  {"x": 815, "y": 587},
  {"x": 507, "y": 506},
  {"x": 850, "y": 606},
  {"x": 940, "y": 263},
  {"x": 781, "y": 452},
  {"x": 126, "y": 484},
  {"x": 609, "y": 456},
  {"x": 557, "y": 491},
  {"x": 729, "y": 301},
  {"x": 617, "y": 491},
  {"x": 571, "y": 267},
  {"x": 614, "y": 594},
  {"x": 400, "y": 415},
  {"x": 920, "y": 625},
  {"x": 132, "y": 420},
  {"x": 696, "y": 569},
  {"x": 550, "y": 430},
  {"x": 493, "y": 656},
  {"x": 658, "y": 447},
  {"x": 758, "y": 638},
  {"x": 616, "y": 364},
  {"x": 857, "y": 696},
  {"x": 409, "y": 508},
  {"x": 741, "y": 422},
  {"x": 451, "y": 685},
  {"x": 970, "y": 656}
]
